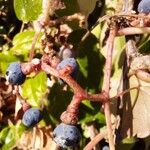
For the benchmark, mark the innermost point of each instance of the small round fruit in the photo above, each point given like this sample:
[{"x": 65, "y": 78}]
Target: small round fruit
[
  {"x": 144, "y": 6},
  {"x": 105, "y": 147},
  {"x": 65, "y": 53},
  {"x": 31, "y": 117},
  {"x": 69, "y": 62},
  {"x": 14, "y": 74},
  {"x": 66, "y": 136}
]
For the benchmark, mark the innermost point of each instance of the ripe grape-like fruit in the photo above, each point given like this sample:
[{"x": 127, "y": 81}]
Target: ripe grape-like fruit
[
  {"x": 31, "y": 117},
  {"x": 14, "y": 74},
  {"x": 105, "y": 147},
  {"x": 66, "y": 53},
  {"x": 144, "y": 6},
  {"x": 66, "y": 135},
  {"x": 69, "y": 62}
]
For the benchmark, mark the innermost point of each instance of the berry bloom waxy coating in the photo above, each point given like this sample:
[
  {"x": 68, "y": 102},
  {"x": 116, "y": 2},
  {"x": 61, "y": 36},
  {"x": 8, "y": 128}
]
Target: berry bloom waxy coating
[
  {"x": 14, "y": 74},
  {"x": 105, "y": 147},
  {"x": 66, "y": 53},
  {"x": 66, "y": 135},
  {"x": 31, "y": 117},
  {"x": 144, "y": 6}
]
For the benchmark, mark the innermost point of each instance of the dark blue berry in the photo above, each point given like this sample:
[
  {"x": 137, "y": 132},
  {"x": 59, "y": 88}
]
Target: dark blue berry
[
  {"x": 69, "y": 62},
  {"x": 66, "y": 135},
  {"x": 31, "y": 117},
  {"x": 144, "y": 6},
  {"x": 105, "y": 147},
  {"x": 66, "y": 53},
  {"x": 14, "y": 74}
]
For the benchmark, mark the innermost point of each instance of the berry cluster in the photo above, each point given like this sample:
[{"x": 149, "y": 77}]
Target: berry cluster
[
  {"x": 64, "y": 135},
  {"x": 71, "y": 62}
]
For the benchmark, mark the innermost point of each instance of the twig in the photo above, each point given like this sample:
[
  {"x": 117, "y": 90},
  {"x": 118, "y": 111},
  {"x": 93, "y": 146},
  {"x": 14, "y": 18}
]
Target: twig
[
  {"x": 124, "y": 92},
  {"x": 133, "y": 31},
  {"x": 22, "y": 27},
  {"x": 106, "y": 84},
  {"x": 96, "y": 140},
  {"x": 32, "y": 52}
]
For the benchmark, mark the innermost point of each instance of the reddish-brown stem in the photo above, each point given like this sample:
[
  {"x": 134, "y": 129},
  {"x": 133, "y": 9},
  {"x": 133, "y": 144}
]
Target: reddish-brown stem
[
  {"x": 106, "y": 85},
  {"x": 96, "y": 139},
  {"x": 70, "y": 116},
  {"x": 73, "y": 84}
]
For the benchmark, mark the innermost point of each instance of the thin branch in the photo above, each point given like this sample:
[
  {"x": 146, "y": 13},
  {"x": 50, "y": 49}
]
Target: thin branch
[
  {"x": 133, "y": 31},
  {"x": 96, "y": 140},
  {"x": 106, "y": 85},
  {"x": 124, "y": 92},
  {"x": 32, "y": 52}
]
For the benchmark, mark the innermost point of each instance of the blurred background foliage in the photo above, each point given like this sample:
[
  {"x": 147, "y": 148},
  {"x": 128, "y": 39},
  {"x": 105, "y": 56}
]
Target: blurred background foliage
[{"x": 16, "y": 36}]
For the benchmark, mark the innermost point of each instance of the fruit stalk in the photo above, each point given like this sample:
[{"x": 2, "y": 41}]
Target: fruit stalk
[{"x": 72, "y": 83}]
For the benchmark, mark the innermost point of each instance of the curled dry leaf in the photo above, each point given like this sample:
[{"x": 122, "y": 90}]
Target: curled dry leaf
[{"x": 38, "y": 138}]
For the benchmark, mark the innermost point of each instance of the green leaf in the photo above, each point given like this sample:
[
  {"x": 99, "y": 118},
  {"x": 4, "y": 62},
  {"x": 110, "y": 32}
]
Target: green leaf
[
  {"x": 3, "y": 134},
  {"x": 90, "y": 112},
  {"x": 23, "y": 37},
  {"x": 10, "y": 135},
  {"x": 58, "y": 101},
  {"x": 129, "y": 140},
  {"x": 22, "y": 44},
  {"x": 5, "y": 59},
  {"x": 27, "y": 10},
  {"x": 34, "y": 89},
  {"x": 145, "y": 44}
]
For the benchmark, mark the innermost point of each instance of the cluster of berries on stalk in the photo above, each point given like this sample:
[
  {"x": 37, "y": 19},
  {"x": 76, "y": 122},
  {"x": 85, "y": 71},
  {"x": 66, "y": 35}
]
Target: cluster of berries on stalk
[{"x": 65, "y": 135}]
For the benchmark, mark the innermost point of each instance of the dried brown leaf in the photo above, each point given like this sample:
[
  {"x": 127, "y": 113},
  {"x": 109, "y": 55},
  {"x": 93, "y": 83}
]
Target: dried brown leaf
[
  {"x": 38, "y": 138},
  {"x": 134, "y": 110}
]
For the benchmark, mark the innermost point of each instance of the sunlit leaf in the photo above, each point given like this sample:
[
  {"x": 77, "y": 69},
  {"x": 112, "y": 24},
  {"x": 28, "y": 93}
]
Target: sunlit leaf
[
  {"x": 10, "y": 135},
  {"x": 5, "y": 59},
  {"x": 90, "y": 112},
  {"x": 27, "y": 10},
  {"x": 22, "y": 44},
  {"x": 34, "y": 89}
]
